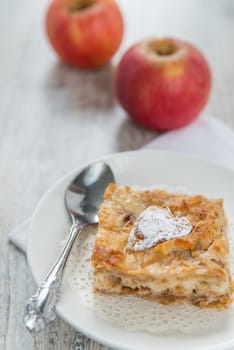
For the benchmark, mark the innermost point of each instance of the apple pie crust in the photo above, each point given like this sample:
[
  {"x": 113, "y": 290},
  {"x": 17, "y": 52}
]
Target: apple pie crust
[{"x": 192, "y": 267}]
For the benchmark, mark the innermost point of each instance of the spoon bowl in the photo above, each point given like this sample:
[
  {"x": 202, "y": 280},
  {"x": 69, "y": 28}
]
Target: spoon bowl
[{"x": 85, "y": 193}]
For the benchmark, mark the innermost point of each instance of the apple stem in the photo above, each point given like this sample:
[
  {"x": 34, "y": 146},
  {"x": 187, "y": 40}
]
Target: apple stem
[
  {"x": 163, "y": 47},
  {"x": 79, "y": 5}
]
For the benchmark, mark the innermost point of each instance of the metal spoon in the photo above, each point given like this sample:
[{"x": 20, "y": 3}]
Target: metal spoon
[{"x": 82, "y": 200}]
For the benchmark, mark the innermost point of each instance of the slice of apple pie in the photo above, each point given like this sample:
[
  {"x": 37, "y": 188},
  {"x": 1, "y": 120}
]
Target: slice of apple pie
[{"x": 162, "y": 246}]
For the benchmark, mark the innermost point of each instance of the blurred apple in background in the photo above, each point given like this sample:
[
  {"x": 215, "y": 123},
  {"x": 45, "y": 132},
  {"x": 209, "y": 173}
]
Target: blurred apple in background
[
  {"x": 163, "y": 83},
  {"x": 84, "y": 33}
]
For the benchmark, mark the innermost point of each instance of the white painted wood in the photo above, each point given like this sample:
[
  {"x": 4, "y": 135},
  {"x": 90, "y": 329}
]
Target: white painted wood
[{"x": 53, "y": 117}]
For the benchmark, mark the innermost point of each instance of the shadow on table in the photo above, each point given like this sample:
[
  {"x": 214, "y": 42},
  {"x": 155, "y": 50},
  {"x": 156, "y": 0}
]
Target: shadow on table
[
  {"x": 131, "y": 136},
  {"x": 71, "y": 89}
]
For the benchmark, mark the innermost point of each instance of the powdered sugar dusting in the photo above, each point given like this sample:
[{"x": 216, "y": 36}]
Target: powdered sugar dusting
[{"x": 155, "y": 225}]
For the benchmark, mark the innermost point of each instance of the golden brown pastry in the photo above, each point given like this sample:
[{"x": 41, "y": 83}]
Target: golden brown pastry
[{"x": 162, "y": 246}]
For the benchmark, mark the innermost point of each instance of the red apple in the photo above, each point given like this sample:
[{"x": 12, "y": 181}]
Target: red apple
[
  {"x": 163, "y": 83},
  {"x": 84, "y": 33}
]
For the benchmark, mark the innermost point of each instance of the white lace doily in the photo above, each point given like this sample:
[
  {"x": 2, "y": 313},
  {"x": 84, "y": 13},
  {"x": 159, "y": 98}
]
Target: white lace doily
[{"x": 131, "y": 312}]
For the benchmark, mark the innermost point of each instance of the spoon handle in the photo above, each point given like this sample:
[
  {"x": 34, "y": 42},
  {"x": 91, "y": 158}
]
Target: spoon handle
[{"x": 40, "y": 308}]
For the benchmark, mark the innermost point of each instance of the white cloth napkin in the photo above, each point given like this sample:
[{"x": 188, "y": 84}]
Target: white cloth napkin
[
  {"x": 18, "y": 236},
  {"x": 206, "y": 137}
]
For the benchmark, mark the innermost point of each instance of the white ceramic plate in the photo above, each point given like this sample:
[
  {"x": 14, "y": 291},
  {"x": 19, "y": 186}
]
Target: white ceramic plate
[{"x": 142, "y": 168}]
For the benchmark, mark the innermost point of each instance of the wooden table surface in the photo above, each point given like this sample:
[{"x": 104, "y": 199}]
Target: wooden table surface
[{"x": 53, "y": 117}]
